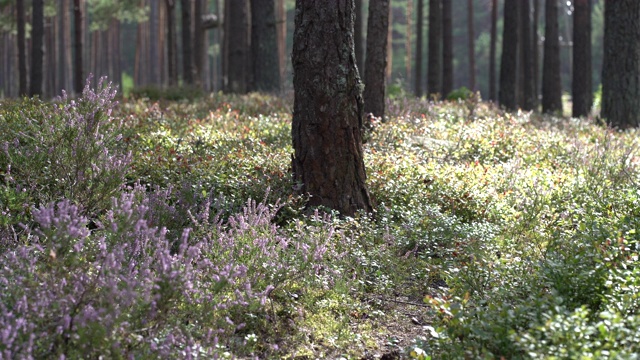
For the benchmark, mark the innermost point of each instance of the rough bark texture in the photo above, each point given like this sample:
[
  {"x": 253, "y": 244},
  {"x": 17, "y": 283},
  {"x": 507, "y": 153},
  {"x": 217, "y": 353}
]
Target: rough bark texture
[
  {"x": 509, "y": 62},
  {"x": 419, "y": 31},
  {"x": 327, "y": 119},
  {"x": 551, "y": 83},
  {"x": 528, "y": 89},
  {"x": 492, "y": 51},
  {"x": 434, "y": 68},
  {"x": 239, "y": 46},
  {"x": 357, "y": 36},
  {"x": 78, "y": 46},
  {"x": 581, "y": 84},
  {"x": 37, "y": 51},
  {"x": 187, "y": 43},
  {"x": 447, "y": 47},
  {"x": 22, "y": 48},
  {"x": 264, "y": 46},
  {"x": 472, "y": 46},
  {"x": 376, "y": 60},
  {"x": 621, "y": 64}
]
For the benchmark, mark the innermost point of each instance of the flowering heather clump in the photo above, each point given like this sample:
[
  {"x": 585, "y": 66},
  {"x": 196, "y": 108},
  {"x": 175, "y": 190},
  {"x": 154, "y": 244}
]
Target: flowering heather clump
[
  {"x": 70, "y": 149},
  {"x": 120, "y": 290}
]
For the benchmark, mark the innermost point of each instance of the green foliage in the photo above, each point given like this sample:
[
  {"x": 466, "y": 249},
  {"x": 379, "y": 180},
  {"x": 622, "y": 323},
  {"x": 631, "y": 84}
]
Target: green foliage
[{"x": 461, "y": 93}]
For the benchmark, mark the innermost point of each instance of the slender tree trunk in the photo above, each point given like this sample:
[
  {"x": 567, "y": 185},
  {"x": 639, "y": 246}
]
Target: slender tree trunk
[
  {"x": 172, "y": 45},
  {"x": 551, "y": 84},
  {"x": 581, "y": 84},
  {"x": 115, "y": 68},
  {"x": 358, "y": 36},
  {"x": 447, "y": 47},
  {"x": 50, "y": 77},
  {"x": 239, "y": 47},
  {"x": 434, "y": 70},
  {"x": 472, "y": 45},
  {"x": 408, "y": 44},
  {"x": 22, "y": 50},
  {"x": 264, "y": 46},
  {"x": 389, "y": 69},
  {"x": 154, "y": 68},
  {"x": 509, "y": 62},
  {"x": 64, "y": 51},
  {"x": 327, "y": 117},
  {"x": 528, "y": 90},
  {"x": 621, "y": 64},
  {"x": 37, "y": 52},
  {"x": 187, "y": 54},
  {"x": 492, "y": 51},
  {"x": 281, "y": 20},
  {"x": 376, "y": 59},
  {"x": 419, "y": 31},
  {"x": 78, "y": 46},
  {"x": 536, "y": 54},
  {"x": 199, "y": 42}
]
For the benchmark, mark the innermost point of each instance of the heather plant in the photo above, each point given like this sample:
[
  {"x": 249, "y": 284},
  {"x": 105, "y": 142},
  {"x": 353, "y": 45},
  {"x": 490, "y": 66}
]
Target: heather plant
[{"x": 69, "y": 149}]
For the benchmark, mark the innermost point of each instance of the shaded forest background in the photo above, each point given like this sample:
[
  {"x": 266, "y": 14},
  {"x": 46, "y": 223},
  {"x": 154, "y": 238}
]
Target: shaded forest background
[{"x": 121, "y": 38}]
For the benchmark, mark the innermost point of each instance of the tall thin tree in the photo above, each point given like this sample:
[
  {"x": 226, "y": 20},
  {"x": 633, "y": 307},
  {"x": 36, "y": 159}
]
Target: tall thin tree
[
  {"x": 581, "y": 85},
  {"x": 264, "y": 46},
  {"x": 187, "y": 43},
  {"x": 509, "y": 63},
  {"x": 419, "y": 31},
  {"x": 528, "y": 86},
  {"x": 358, "y": 37},
  {"x": 492, "y": 50},
  {"x": 327, "y": 111},
  {"x": 551, "y": 82},
  {"x": 238, "y": 46},
  {"x": 376, "y": 59},
  {"x": 172, "y": 46},
  {"x": 37, "y": 50},
  {"x": 22, "y": 48},
  {"x": 434, "y": 67},
  {"x": 471, "y": 35},
  {"x": 78, "y": 46},
  {"x": 447, "y": 47}
]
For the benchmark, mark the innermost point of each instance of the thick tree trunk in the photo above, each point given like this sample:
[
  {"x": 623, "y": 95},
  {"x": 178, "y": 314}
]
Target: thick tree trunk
[
  {"x": 492, "y": 51},
  {"x": 22, "y": 49},
  {"x": 376, "y": 59},
  {"x": 264, "y": 46},
  {"x": 509, "y": 62},
  {"x": 358, "y": 37},
  {"x": 187, "y": 39},
  {"x": 447, "y": 47},
  {"x": 78, "y": 46},
  {"x": 239, "y": 46},
  {"x": 551, "y": 83},
  {"x": 581, "y": 84},
  {"x": 37, "y": 51},
  {"x": 528, "y": 90},
  {"x": 327, "y": 118},
  {"x": 471, "y": 34},
  {"x": 621, "y": 64},
  {"x": 434, "y": 67},
  {"x": 419, "y": 31}
]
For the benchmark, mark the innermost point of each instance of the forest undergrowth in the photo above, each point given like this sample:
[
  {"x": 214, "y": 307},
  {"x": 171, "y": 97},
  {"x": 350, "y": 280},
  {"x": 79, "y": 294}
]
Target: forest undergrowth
[{"x": 169, "y": 229}]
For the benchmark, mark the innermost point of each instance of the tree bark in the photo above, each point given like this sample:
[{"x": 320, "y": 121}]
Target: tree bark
[
  {"x": 536, "y": 53},
  {"x": 37, "y": 51},
  {"x": 22, "y": 48},
  {"x": 327, "y": 119},
  {"x": 65, "y": 46},
  {"x": 264, "y": 46},
  {"x": 187, "y": 42},
  {"x": 419, "y": 31},
  {"x": 358, "y": 36},
  {"x": 434, "y": 67},
  {"x": 408, "y": 43},
  {"x": 281, "y": 25},
  {"x": 551, "y": 84},
  {"x": 171, "y": 43},
  {"x": 239, "y": 47},
  {"x": 199, "y": 50},
  {"x": 472, "y": 46},
  {"x": 581, "y": 84},
  {"x": 528, "y": 90},
  {"x": 621, "y": 64},
  {"x": 447, "y": 47},
  {"x": 376, "y": 59},
  {"x": 492, "y": 51},
  {"x": 78, "y": 46},
  {"x": 509, "y": 62}
]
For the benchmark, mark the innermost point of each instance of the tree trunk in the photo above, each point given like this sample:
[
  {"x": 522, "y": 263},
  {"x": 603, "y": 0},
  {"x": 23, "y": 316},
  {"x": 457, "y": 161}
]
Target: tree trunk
[
  {"x": 172, "y": 45},
  {"x": 187, "y": 54},
  {"x": 37, "y": 52},
  {"x": 536, "y": 53},
  {"x": 509, "y": 62},
  {"x": 358, "y": 36},
  {"x": 389, "y": 69},
  {"x": 492, "y": 51},
  {"x": 472, "y": 46},
  {"x": 327, "y": 118},
  {"x": 621, "y": 64},
  {"x": 408, "y": 58},
  {"x": 50, "y": 77},
  {"x": 264, "y": 46},
  {"x": 154, "y": 41},
  {"x": 239, "y": 46},
  {"x": 199, "y": 42},
  {"x": 447, "y": 47},
  {"x": 115, "y": 70},
  {"x": 528, "y": 90},
  {"x": 376, "y": 59},
  {"x": 64, "y": 51},
  {"x": 551, "y": 84},
  {"x": 419, "y": 31},
  {"x": 581, "y": 84},
  {"x": 22, "y": 48},
  {"x": 281, "y": 21},
  {"x": 78, "y": 46},
  {"x": 434, "y": 70}
]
